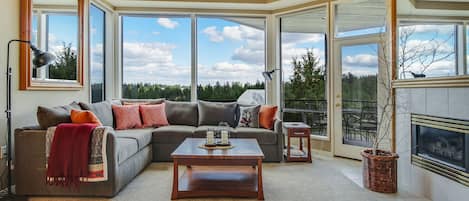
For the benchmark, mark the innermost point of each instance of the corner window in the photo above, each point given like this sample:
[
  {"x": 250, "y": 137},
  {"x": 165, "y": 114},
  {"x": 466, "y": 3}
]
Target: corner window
[
  {"x": 156, "y": 57},
  {"x": 97, "y": 53},
  {"x": 231, "y": 59},
  {"x": 304, "y": 67},
  {"x": 430, "y": 50}
]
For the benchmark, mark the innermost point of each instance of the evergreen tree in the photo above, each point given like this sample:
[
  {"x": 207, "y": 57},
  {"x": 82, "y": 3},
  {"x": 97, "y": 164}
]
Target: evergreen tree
[{"x": 65, "y": 66}]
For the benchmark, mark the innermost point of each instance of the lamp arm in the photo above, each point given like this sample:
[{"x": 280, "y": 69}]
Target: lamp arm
[{"x": 8, "y": 109}]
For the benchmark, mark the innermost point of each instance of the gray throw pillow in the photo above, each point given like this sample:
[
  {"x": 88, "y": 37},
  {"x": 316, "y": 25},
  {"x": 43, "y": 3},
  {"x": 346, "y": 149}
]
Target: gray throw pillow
[
  {"x": 212, "y": 113},
  {"x": 48, "y": 117},
  {"x": 181, "y": 113},
  {"x": 249, "y": 116},
  {"x": 102, "y": 110}
]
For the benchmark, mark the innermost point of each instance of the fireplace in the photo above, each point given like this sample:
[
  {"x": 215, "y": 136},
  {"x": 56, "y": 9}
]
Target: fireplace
[{"x": 441, "y": 145}]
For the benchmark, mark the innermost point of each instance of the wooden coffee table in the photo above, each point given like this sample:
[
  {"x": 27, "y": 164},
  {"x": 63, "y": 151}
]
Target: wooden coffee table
[{"x": 218, "y": 173}]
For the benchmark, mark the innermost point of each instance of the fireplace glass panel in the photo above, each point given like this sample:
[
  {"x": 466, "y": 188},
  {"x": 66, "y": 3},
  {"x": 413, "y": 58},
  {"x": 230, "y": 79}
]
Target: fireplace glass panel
[{"x": 442, "y": 145}]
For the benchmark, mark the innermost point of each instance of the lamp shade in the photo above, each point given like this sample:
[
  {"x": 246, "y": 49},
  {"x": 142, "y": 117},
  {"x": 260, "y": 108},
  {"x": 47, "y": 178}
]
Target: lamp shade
[
  {"x": 267, "y": 75},
  {"x": 41, "y": 58}
]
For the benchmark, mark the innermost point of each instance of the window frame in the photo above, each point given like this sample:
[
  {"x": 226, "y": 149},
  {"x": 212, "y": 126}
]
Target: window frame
[
  {"x": 42, "y": 36},
  {"x": 193, "y": 16},
  {"x": 152, "y": 15},
  {"x": 196, "y": 16},
  {"x": 105, "y": 47},
  {"x": 327, "y": 63},
  {"x": 461, "y": 79}
]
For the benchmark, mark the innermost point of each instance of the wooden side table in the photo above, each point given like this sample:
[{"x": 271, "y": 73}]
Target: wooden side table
[{"x": 302, "y": 131}]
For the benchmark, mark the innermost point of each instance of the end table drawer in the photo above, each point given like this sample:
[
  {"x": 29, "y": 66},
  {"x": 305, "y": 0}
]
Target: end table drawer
[{"x": 299, "y": 132}]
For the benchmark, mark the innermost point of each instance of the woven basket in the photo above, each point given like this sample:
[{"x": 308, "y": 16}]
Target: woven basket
[{"x": 380, "y": 171}]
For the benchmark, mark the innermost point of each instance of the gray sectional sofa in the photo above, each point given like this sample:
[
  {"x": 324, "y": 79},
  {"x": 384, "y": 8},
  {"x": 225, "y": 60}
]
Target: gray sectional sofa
[{"x": 130, "y": 151}]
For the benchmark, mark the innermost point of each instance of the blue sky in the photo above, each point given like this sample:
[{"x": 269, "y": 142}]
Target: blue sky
[
  {"x": 160, "y": 47},
  {"x": 157, "y": 49},
  {"x": 97, "y": 18}
]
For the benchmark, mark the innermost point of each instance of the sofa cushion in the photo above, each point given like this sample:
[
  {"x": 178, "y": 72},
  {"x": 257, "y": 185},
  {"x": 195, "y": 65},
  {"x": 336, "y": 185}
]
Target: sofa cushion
[
  {"x": 83, "y": 117},
  {"x": 172, "y": 134},
  {"x": 212, "y": 113},
  {"x": 263, "y": 136},
  {"x": 127, "y": 116},
  {"x": 267, "y": 116},
  {"x": 181, "y": 113},
  {"x": 48, "y": 117},
  {"x": 249, "y": 116},
  {"x": 201, "y": 131},
  {"x": 153, "y": 115},
  {"x": 142, "y": 136},
  {"x": 125, "y": 148},
  {"x": 103, "y": 110}
]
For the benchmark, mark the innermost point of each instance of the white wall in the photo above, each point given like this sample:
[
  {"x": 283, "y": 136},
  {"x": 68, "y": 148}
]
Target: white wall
[
  {"x": 25, "y": 102},
  {"x": 444, "y": 102}
]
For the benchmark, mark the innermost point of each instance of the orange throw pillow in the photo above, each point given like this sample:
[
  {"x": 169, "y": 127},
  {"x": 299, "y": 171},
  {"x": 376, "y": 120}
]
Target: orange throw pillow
[
  {"x": 153, "y": 115},
  {"x": 84, "y": 116},
  {"x": 267, "y": 115},
  {"x": 127, "y": 116}
]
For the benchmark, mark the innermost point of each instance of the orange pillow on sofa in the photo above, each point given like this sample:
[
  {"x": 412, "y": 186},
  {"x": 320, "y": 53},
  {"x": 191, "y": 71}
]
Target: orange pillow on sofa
[
  {"x": 267, "y": 116},
  {"x": 85, "y": 116},
  {"x": 127, "y": 116},
  {"x": 153, "y": 115}
]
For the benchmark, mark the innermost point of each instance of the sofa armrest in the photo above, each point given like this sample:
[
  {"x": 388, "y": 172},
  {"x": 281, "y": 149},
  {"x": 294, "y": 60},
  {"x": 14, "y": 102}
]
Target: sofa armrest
[
  {"x": 278, "y": 126},
  {"x": 30, "y": 162}
]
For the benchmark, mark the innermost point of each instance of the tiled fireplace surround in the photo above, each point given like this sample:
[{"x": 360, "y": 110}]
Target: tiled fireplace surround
[{"x": 442, "y": 102}]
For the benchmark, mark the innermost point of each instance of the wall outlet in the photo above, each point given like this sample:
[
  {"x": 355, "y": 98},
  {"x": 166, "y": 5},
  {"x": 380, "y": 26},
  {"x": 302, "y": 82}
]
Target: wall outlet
[{"x": 3, "y": 152}]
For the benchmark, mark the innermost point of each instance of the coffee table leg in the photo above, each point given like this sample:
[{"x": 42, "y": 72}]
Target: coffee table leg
[
  {"x": 174, "y": 194},
  {"x": 260, "y": 189}
]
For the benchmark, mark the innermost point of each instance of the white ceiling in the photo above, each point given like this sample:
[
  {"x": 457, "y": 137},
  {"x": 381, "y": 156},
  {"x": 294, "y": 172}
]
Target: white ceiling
[{"x": 206, "y": 5}]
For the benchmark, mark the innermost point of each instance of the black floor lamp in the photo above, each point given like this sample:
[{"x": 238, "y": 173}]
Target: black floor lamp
[{"x": 40, "y": 58}]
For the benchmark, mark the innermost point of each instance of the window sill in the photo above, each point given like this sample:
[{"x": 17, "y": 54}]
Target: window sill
[
  {"x": 437, "y": 82},
  {"x": 318, "y": 137}
]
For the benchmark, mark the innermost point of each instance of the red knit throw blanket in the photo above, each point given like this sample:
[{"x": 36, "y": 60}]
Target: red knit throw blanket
[{"x": 69, "y": 154}]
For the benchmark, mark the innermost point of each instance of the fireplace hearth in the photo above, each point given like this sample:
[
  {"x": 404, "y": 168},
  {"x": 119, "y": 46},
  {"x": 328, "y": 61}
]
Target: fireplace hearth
[{"x": 441, "y": 145}]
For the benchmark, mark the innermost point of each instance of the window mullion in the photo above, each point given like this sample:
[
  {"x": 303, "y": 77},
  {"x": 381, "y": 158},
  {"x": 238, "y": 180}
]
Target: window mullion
[
  {"x": 460, "y": 50},
  {"x": 193, "y": 58}
]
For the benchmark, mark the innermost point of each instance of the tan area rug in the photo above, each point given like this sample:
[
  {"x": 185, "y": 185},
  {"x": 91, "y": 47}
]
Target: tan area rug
[{"x": 326, "y": 179}]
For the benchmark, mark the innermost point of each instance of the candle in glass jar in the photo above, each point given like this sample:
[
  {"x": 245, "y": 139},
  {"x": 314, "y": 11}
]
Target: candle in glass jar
[
  {"x": 224, "y": 137},
  {"x": 210, "y": 137}
]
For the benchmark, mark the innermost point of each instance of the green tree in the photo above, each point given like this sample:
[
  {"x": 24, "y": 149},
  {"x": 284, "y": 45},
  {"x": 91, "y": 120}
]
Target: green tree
[
  {"x": 65, "y": 66},
  {"x": 308, "y": 80}
]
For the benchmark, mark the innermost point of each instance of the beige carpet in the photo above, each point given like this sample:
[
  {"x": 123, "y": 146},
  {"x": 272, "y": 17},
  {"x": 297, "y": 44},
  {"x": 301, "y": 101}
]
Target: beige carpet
[{"x": 326, "y": 179}]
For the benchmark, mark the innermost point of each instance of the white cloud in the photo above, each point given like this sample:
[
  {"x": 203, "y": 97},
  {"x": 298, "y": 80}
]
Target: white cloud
[
  {"x": 213, "y": 34},
  {"x": 289, "y": 53},
  {"x": 156, "y": 33},
  {"x": 362, "y": 60},
  {"x": 242, "y": 32},
  {"x": 294, "y": 39},
  {"x": 358, "y": 71},
  {"x": 249, "y": 55},
  {"x": 429, "y": 28},
  {"x": 167, "y": 23},
  {"x": 154, "y": 63},
  {"x": 428, "y": 45},
  {"x": 229, "y": 72}
]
